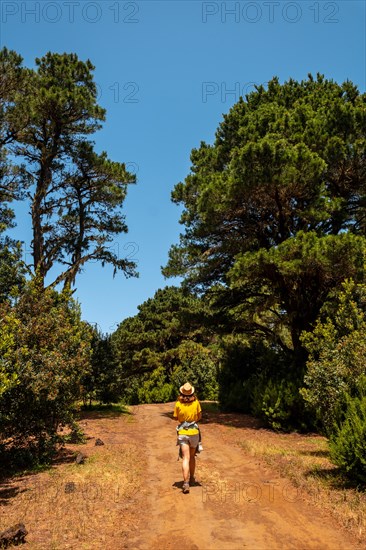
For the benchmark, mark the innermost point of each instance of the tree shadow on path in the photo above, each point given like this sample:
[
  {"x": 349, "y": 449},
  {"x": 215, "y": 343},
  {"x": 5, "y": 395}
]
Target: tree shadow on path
[
  {"x": 335, "y": 478},
  {"x": 233, "y": 420}
]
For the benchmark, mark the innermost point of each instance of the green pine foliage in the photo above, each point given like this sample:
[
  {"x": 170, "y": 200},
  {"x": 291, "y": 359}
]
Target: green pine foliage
[
  {"x": 198, "y": 364},
  {"x": 103, "y": 382},
  {"x": 75, "y": 196},
  {"x": 166, "y": 342},
  {"x": 285, "y": 171},
  {"x": 241, "y": 360},
  {"x": 274, "y": 223}
]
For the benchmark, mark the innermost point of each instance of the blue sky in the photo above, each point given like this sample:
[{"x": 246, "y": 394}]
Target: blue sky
[{"x": 167, "y": 71}]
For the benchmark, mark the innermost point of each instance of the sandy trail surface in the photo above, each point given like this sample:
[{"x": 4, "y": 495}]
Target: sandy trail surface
[
  {"x": 128, "y": 494},
  {"x": 237, "y": 501}
]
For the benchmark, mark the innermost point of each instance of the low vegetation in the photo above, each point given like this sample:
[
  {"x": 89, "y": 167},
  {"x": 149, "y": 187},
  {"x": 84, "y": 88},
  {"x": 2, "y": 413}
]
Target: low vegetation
[{"x": 307, "y": 462}]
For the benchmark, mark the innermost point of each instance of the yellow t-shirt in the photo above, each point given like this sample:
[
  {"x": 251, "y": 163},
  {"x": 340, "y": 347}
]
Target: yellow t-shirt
[{"x": 188, "y": 412}]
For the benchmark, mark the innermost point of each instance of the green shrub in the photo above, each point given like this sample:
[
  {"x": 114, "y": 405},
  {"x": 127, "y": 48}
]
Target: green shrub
[
  {"x": 273, "y": 401},
  {"x": 337, "y": 355},
  {"x": 197, "y": 366},
  {"x": 47, "y": 346},
  {"x": 348, "y": 444},
  {"x": 155, "y": 388},
  {"x": 237, "y": 396},
  {"x": 241, "y": 360}
]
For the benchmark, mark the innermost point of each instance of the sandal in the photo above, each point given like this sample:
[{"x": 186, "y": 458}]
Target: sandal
[{"x": 186, "y": 487}]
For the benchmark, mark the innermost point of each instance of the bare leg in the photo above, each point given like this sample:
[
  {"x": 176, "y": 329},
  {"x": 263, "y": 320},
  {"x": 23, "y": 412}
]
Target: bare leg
[
  {"x": 192, "y": 461},
  {"x": 186, "y": 462}
]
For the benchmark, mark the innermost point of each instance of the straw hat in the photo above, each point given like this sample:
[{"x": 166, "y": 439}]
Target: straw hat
[{"x": 187, "y": 389}]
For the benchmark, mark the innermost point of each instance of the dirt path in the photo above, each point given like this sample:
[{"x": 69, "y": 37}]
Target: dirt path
[
  {"x": 237, "y": 503},
  {"x": 128, "y": 493}
]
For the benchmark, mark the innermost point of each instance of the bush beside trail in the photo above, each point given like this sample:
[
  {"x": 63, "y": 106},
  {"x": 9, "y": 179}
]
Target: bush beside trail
[{"x": 45, "y": 348}]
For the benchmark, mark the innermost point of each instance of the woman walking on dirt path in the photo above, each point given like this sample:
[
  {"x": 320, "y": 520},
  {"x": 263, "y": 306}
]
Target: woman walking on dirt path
[{"x": 188, "y": 412}]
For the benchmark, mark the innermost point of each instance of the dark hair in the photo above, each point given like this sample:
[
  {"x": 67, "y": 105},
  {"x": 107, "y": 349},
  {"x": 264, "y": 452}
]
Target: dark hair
[{"x": 182, "y": 395}]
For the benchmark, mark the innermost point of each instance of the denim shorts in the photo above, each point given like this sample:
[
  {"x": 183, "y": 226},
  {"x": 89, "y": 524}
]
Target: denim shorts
[{"x": 191, "y": 440}]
